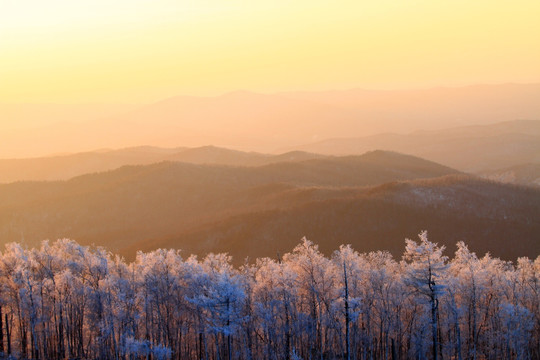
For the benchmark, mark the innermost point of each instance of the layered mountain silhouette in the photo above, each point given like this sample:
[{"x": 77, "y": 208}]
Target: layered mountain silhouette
[
  {"x": 64, "y": 167},
  {"x": 470, "y": 148},
  {"x": 265, "y": 122},
  {"x": 372, "y": 201},
  {"x": 474, "y": 149},
  {"x": 158, "y": 199}
]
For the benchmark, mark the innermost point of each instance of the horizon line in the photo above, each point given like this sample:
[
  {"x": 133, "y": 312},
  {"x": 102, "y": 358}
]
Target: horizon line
[{"x": 277, "y": 93}]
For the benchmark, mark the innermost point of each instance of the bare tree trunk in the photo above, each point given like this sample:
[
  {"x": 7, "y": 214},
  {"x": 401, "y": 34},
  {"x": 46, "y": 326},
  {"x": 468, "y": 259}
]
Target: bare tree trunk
[
  {"x": 8, "y": 335},
  {"x": 347, "y": 316},
  {"x": 61, "y": 331},
  {"x": 201, "y": 346},
  {"x": 287, "y": 334},
  {"x": 229, "y": 354},
  {"x": 434, "y": 326},
  {"x": 1, "y": 333},
  {"x": 24, "y": 339}
]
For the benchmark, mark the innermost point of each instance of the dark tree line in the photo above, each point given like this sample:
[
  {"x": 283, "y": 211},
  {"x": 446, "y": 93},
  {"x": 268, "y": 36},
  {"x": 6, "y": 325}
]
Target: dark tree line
[{"x": 69, "y": 301}]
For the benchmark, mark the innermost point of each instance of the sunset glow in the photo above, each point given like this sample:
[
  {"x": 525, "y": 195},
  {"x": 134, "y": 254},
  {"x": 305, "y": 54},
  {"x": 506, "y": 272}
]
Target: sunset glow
[{"x": 141, "y": 51}]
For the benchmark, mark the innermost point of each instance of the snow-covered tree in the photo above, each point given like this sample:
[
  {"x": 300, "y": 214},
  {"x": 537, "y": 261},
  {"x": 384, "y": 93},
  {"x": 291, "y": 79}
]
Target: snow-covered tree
[
  {"x": 424, "y": 273},
  {"x": 64, "y": 300}
]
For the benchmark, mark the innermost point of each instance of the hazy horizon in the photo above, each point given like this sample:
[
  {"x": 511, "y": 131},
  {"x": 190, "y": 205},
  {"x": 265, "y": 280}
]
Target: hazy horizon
[
  {"x": 282, "y": 91},
  {"x": 258, "y": 76},
  {"x": 255, "y": 121}
]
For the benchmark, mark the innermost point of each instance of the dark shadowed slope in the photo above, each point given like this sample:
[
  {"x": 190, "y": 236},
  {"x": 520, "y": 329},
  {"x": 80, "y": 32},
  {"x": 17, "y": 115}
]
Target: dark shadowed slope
[
  {"x": 136, "y": 203},
  {"x": 490, "y": 217}
]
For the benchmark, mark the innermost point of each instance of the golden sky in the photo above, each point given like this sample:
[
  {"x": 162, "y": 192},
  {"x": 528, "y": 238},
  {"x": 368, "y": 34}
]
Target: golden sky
[{"x": 67, "y": 51}]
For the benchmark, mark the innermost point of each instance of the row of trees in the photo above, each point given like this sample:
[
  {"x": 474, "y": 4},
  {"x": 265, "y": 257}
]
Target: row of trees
[{"x": 69, "y": 301}]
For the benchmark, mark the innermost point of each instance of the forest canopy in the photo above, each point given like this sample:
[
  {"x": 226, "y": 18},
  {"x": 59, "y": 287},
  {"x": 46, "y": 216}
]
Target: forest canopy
[{"x": 67, "y": 300}]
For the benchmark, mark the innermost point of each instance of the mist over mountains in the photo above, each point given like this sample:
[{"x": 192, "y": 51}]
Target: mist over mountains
[
  {"x": 470, "y": 148},
  {"x": 477, "y": 183},
  {"x": 261, "y": 122},
  {"x": 476, "y": 149}
]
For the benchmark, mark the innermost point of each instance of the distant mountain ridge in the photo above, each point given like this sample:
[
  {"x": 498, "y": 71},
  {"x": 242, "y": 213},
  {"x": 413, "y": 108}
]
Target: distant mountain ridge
[
  {"x": 64, "y": 167},
  {"x": 264, "y": 122},
  {"x": 472, "y": 148}
]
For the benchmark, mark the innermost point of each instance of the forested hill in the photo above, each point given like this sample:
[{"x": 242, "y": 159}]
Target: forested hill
[
  {"x": 138, "y": 203},
  {"x": 489, "y": 216},
  {"x": 262, "y": 210}
]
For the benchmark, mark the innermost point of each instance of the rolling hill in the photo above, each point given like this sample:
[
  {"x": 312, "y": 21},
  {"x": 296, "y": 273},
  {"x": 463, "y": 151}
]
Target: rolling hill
[
  {"x": 488, "y": 216},
  {"x": 371, "y": 201},
  {"x": 136, "y": 203}
]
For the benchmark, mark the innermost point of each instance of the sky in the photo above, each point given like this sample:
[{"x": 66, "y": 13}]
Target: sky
[{"x": 140, "y": 51}]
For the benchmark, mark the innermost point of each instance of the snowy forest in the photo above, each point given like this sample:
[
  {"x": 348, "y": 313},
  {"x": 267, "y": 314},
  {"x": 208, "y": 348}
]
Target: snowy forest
[{"x": 65, "y": 300}]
